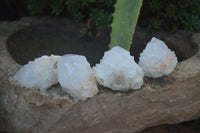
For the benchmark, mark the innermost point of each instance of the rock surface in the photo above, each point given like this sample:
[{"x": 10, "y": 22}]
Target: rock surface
[
  {"x": 40, "y": 73},
  {"x": 157, "y": 59},
  {"x": 167, "y": 100},
  {"x": 76, "y": 77},
  {"x": 117, "y": 70}
]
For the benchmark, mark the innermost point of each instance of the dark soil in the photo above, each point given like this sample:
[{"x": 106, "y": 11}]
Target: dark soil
[
  {"x": 62, "y": 38},
  {"x": 188, "y": 127}
]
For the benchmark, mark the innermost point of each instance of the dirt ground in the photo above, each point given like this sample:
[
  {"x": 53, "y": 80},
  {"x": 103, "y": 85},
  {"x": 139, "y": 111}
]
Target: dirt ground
[{"x": 188, "y": 127}]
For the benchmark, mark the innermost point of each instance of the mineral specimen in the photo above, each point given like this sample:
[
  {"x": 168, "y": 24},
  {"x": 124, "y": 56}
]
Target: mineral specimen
[
  {"x": 118, "y": 70},
  {"x": 157, "y": 59},
  {"x": 40, "y": 73},
  {"x": 76, "y": 77}
]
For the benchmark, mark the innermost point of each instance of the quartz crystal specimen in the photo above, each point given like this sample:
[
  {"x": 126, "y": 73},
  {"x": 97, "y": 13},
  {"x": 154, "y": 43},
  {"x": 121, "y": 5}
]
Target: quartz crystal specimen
[
  {"x": 76, "y": 77},
  {"x": 157, "y": 59},
  {"x": 40, "y": 73},
  {"x": 117, "y": 70}
]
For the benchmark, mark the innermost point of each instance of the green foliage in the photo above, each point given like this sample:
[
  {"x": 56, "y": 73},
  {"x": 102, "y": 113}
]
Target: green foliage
[
  {"x": 171, "y": 14},
  {"x": 85, "y": 32},
  {"x": 155, "y": 23},
  {"x": 155, "y": 5},
  {"x": 98, "y": 11},
  {"x": 170, "y": 10},
  {"x": 37, "y": 7},
  {"x": 101, "y": 18},
  {"x": 124, "y": 22},
  {"x": 56, "y": 7},
  {"x": 45, "y": 7}
]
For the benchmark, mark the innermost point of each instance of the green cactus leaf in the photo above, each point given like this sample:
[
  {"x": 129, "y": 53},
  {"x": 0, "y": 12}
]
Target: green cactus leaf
[{"x": 124, "y": 22}]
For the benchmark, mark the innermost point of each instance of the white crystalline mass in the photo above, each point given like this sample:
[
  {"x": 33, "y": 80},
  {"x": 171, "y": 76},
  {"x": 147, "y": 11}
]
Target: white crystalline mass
[
  {"x": 40, "y": 73},
  {"x": 117, "y": 70},
  {"x": 157, "y": 59},
  {"x": 76, "y": 77}
]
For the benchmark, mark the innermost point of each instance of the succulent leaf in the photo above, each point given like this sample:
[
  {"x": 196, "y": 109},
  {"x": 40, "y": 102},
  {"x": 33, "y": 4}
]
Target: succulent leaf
[{"x": 124, "y": 22}]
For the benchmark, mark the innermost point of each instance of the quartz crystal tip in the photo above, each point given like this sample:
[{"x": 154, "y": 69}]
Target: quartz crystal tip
[
  {"x": 40, "y": 73},
  {"x": 117, "y": 70},
  {"x": 75, "y": 77},
  {"x": 157, "y": 59}
]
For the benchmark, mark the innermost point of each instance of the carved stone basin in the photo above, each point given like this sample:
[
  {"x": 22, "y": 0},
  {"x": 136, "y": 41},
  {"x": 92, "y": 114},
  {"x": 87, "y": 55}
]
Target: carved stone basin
[{"x": 167, "y": 100}]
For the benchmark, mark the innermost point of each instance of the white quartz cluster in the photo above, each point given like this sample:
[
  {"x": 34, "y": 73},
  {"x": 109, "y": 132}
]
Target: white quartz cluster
[
  {"x": 76, "y": 77},
  {"x": 157, "y": 59},
  {"x": 118, "y": 70},
  {"x": 72, "y": 71},
  {"x": 40, "y": 73}
]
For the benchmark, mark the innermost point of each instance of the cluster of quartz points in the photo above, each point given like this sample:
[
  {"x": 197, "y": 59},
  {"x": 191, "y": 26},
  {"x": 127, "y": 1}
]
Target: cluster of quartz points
[{"x": 117, "y": 70}]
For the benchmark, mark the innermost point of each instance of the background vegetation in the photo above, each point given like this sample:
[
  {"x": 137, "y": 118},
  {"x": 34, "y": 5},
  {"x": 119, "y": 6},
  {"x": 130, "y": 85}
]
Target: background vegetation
[{"x": 169, "y": 15}]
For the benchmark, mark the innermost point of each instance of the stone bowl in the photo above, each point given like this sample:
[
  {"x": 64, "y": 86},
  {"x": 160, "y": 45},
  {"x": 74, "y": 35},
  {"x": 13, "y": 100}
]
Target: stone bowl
[{"x": 168, "y": 100}]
